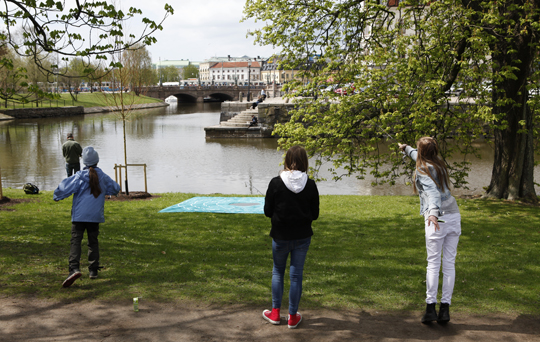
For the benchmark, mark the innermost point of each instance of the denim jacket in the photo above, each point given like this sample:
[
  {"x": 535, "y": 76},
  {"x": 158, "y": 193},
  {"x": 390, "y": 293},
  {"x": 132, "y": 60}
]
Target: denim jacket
[{"x": 433, "y": 200}]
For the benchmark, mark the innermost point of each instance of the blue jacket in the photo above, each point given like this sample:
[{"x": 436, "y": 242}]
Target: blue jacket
[
  {"x": 431, "y": 196},
  {"x": 86, "y": 208}
]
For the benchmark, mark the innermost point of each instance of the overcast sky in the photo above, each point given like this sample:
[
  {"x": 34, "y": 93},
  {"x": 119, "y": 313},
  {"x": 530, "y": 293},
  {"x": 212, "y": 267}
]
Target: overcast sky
[{"x": 201, "y": 29}]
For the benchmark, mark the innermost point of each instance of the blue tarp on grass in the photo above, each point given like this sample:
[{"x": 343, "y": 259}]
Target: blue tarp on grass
[{"x": 228, "y": 205}]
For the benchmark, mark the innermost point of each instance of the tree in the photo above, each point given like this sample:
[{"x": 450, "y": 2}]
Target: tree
[
  {"x": 37, "y": 80},
  {"x": 190, "y": 71},
  {"x": 54, "y": 27},
  {"x": 138, "y": 63},
  {"x": 169, "y": 73},
  {"x": 12, "y": 77},
  {"x": 403, "y": 57}
]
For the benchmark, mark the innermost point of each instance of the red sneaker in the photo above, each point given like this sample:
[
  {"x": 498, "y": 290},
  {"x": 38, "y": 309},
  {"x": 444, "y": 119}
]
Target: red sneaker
[
  {"x": 294, "y": 320},
  {"x": 272, "y": 316}
]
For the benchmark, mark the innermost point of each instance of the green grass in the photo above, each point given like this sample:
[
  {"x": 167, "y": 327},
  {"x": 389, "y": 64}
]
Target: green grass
[
  {"x": 85, "y": 100},
  {"x": 368, "y": 252}
]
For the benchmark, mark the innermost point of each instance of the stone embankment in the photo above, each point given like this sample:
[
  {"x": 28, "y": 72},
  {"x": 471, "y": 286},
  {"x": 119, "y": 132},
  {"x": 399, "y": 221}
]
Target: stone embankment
[
  {"x": 47, "y": 112},
  {"x": 236, "y": 116}
]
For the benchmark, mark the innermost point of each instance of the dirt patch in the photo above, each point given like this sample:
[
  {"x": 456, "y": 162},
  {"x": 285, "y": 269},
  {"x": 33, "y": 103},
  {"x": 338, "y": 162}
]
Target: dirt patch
[
  {"x": 6, "y": 202},
  {"x": 30, "y": 319},
  {"x": 133, "y": 195}
]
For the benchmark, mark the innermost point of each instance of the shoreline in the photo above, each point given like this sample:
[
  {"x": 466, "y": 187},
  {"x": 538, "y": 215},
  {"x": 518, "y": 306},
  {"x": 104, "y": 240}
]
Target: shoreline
[
  {"x": 28, "y": 113},
  {"x": 97, "y": 110}
]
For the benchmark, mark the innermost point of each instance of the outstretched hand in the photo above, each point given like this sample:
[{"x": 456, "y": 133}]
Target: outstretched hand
[{"x": 402, "y": 146}]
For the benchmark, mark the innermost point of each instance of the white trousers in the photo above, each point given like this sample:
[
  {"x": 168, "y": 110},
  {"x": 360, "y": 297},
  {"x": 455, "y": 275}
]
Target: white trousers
[{"x": 442, "y": 242}]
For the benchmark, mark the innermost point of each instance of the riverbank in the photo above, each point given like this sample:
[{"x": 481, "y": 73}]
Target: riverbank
[
  {"x": 367, "y": 254},
  {"x": 95, "y": 110},
  {"x": 87, "y": 103}
]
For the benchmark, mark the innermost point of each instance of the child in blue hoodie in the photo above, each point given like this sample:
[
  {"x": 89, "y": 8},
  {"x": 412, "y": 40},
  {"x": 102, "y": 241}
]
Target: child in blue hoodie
[
  {"x": 89, "y": 188},
  {"x": 292, "y": 202}
]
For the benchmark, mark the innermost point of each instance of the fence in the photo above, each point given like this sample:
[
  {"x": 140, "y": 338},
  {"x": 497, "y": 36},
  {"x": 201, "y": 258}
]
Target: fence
[{"x": 118, "y": 175}]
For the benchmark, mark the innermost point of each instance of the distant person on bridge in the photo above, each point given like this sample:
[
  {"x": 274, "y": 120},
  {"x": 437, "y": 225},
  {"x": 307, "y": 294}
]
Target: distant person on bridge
[
  {"x": 263, "y": 94},
  {"x": 72, "y": 151}
]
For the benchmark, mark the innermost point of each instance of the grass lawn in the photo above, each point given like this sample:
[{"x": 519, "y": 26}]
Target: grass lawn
[
  {"x": 86, "y": 100},
  {"x": 368, "y": 252}
]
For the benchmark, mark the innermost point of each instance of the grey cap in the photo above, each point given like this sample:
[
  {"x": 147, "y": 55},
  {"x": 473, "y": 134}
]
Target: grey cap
[{"x": 90, "y": 156}]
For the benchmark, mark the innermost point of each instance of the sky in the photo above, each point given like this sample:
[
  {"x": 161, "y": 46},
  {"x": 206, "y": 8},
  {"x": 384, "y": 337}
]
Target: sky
[{"x": 200, "y": 29}]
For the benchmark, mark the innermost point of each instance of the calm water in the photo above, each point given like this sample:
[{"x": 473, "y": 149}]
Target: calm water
[{"x": 171, "y": 141}]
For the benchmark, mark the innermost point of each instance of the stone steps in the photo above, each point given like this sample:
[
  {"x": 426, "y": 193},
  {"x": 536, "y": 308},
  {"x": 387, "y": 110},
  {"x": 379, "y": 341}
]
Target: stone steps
[{"x": 240, "y": 120}]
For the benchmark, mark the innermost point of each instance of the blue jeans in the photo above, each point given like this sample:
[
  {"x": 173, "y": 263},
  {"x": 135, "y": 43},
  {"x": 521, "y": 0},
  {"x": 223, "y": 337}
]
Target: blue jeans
[
  {"x": 280, "y": 251},
  {"x": 72, "y": 168}
]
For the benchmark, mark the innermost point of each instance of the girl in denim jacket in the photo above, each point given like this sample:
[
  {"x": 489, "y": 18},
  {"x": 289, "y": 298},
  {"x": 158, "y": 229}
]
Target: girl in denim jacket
[{"x": 442, "y": 235}]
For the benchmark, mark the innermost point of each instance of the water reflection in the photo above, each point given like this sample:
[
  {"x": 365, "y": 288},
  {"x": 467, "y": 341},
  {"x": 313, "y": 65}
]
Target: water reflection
[{"x": 171, "y": 141}]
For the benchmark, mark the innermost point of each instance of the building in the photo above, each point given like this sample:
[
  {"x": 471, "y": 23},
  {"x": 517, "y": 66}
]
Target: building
[
  {"x": 235, "y": 73},
  {"x": 271, "y": 72},
  {"x": 230, "y": 70}
]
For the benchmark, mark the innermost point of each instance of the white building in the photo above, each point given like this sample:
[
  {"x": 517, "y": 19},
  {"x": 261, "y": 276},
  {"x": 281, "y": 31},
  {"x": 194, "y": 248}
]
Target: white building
[
  {"x": 230, "y": 70},
  {"x": 232, "y": 73}
]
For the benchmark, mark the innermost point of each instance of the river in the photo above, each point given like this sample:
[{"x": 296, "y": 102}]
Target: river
[{"x": 171, "y": 142}]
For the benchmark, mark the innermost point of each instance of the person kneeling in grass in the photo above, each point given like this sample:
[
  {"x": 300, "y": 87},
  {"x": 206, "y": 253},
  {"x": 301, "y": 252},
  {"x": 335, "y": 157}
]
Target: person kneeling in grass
[
  {"x": 89, "y": 187},
  {"x": 292, "y": 202}
]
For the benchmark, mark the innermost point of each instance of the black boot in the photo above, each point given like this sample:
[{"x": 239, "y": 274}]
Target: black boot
[
  {"x": 444, "y": 313},
  {"x": 430, "y": 315}
]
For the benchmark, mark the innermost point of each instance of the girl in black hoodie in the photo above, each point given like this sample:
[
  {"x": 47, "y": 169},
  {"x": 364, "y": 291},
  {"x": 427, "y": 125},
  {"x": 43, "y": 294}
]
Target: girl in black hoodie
[{"x": 292, "y": 202}]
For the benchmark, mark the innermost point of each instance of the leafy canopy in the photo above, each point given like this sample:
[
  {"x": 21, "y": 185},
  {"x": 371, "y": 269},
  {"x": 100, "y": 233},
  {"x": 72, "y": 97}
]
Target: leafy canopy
[{"x": 401, "y": 63}]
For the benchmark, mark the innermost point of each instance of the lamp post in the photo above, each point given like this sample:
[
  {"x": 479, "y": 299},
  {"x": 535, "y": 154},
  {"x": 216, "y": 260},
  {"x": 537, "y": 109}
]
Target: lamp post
[
  {"x": 249, "y": 79},
  {"x": 160, "y": 82}
]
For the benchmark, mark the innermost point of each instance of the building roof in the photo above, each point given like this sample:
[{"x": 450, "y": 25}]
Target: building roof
[
  {"x": 219, "y": 65},
  {"x": 177, "y": 63}
]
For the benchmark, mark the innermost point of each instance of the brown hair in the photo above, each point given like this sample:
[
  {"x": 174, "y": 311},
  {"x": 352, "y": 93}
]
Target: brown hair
[
  {"x": 296, "y": 159},
  {"x": 428, "y": 153},
  {"x": 95, "y": 189}
]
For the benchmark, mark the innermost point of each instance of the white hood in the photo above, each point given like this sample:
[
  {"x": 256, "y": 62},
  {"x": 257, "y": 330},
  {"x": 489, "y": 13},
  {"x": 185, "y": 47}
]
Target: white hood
[{"x": 294, "y": 180}]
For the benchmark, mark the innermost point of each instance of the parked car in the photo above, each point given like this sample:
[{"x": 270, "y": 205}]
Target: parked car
[
  {"x": 456, "y": 89},
  {"x": 347, "y": 89}
]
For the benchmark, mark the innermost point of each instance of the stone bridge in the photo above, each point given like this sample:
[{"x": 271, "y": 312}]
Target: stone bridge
[{"x": 199, "y": 94}]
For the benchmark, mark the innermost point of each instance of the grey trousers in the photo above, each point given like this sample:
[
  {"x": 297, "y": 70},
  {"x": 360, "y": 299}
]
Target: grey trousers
[{"x": 77, "y": 232}]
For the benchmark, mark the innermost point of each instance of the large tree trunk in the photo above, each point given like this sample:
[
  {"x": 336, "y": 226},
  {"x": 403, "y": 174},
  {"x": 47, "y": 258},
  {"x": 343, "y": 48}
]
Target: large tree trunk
[{"x": 513, "y": 165}]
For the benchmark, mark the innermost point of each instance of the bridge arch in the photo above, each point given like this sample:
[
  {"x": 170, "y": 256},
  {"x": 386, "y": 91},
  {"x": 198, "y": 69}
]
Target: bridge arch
[
  {"x": 221, "y": 97},
  {"x": 198, "y": 94},
  {"x": 185, "y": 98}
]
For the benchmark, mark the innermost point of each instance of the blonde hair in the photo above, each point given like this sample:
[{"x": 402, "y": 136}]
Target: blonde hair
[{"x": 428, "y": 153}]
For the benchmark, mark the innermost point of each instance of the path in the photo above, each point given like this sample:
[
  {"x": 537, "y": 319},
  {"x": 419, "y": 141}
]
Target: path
[{"x": 42, "y": 321}]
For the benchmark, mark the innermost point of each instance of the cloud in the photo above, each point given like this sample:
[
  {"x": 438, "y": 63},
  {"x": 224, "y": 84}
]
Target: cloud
[{"x": 201, "y": 29}]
